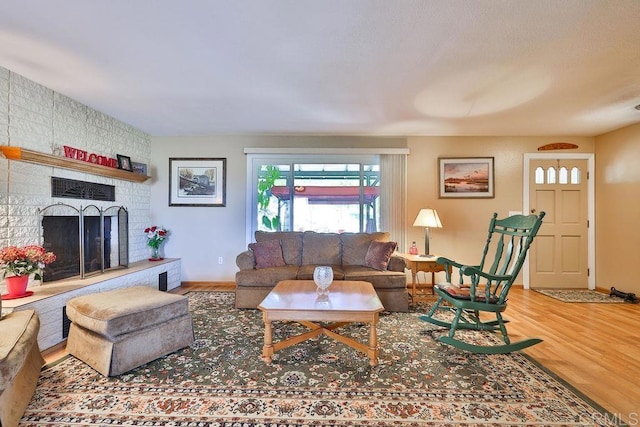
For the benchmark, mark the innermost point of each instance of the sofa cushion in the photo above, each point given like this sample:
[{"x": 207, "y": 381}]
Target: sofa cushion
[
  {"x": 321, "y": 248},
  {"x": 268, "y": 254},
  {"x": 125, "y": 310},
  {"x": 379, "y": 279},
  {"x": 379, "y": 254},
  {"x": 356, "y": 245},
  {"x": 266, "y": 276},
  {"x": 291, "y": 242},
  {"x": 305, "y": 272}
]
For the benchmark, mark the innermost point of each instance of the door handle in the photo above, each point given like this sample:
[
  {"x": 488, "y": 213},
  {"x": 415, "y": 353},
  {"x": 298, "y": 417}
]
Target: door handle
[{"x": 533, "y": 210}]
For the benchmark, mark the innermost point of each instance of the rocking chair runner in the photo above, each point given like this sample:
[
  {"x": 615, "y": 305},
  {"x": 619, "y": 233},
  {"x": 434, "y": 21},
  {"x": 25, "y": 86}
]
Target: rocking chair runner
[{"x": 512, "y": 238}]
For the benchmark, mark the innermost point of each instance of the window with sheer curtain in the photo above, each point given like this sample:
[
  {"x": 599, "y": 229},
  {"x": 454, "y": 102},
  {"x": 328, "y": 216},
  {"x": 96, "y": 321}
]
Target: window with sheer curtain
[
  {"x": 393, "y": 196},
  {"x": 326, "y": 192}
]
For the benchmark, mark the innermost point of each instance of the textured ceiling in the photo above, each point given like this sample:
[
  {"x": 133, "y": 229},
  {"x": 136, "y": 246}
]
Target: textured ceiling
[{"x": 358, "y": 67}]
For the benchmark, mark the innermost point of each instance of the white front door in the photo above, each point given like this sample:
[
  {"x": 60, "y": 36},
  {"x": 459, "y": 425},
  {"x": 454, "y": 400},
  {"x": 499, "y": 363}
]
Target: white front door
[{"x": 559, "y": 256}]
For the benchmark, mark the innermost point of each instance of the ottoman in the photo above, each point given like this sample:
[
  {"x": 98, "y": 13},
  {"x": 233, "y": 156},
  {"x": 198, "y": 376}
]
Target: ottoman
[
  {"x": 116, "y": 331},
  {"x": 20, "y": 363}
]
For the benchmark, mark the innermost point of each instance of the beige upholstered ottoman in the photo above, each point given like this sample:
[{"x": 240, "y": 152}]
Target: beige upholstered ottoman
[
  {"x": 20, "y": 363},
  {"x": 116, "y": 331}
]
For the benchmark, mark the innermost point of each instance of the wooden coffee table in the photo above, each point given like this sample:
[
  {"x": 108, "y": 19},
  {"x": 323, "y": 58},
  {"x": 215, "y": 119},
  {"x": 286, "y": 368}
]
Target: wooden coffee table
[{"x": 297, "y": 300}]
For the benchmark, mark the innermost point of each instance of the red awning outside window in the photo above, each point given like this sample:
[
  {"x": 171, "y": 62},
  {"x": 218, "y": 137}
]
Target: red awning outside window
[{"x": 328, "y": 195}]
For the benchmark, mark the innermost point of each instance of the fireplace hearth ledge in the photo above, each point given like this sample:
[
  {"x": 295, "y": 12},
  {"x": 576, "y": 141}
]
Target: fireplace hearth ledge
[{"x": 50, "y": 298}]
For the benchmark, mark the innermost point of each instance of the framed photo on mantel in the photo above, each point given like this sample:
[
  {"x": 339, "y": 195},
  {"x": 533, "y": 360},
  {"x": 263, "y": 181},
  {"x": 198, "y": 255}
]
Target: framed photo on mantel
[
  {"x": 197, "y": 182},
  {"x": 124, "y": 163},
  {"x": 466, "y": 177},
  {"x": 140, "y": 168}
]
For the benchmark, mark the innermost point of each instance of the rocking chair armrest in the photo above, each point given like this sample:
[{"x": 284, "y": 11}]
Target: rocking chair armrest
[
  {"x": 448, "y": 262},
  {"x": 470, "y": 270},
  {"x": 483, "y": 293},
  {"x": 448, "y": 267}
]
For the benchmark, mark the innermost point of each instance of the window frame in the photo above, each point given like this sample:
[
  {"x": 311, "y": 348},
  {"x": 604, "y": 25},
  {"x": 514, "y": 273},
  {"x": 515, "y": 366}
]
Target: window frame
[{"x": 256, "y": 159}]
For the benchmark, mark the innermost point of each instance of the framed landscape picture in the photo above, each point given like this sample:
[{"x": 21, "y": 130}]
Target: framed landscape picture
[
  {"x": 197, "y": 182},
  {"x": 466, "y": 177}
]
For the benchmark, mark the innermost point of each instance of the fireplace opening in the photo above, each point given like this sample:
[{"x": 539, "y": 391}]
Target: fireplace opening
[{"x": 86, "y": 241}]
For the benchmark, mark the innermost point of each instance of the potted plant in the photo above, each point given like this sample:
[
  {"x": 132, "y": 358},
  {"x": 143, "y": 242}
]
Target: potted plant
[
  {"x": 265, "y": 184},
  {"x": 18, "y": 263}
]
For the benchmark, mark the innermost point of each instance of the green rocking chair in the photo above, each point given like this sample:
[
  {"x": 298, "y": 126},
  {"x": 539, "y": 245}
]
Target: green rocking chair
[{"x": 490, "y": 284}]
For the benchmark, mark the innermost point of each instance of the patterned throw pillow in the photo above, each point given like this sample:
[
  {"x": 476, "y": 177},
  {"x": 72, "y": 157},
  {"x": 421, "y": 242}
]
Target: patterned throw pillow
[
  {"x": 379, "y": 254},
  {"x": 268, "y": 254}
]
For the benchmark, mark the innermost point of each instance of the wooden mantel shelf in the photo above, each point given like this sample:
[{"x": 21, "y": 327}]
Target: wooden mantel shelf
[{"x": 20, "y": 154}]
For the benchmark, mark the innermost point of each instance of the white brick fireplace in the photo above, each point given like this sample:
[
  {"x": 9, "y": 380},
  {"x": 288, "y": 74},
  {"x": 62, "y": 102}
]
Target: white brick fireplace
[{"x": 39, "y": 119}]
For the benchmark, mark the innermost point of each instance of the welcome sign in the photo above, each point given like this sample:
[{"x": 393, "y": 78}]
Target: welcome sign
[{"x": 77, "y": 154}]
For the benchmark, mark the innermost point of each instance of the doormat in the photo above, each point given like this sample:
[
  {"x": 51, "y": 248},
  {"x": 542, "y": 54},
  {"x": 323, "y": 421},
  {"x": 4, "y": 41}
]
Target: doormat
[{"x": 579, "y": 295}]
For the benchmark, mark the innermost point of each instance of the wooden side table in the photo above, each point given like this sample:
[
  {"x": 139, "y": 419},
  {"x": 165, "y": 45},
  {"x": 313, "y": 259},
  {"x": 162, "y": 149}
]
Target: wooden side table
[{"x": 417, "y": 263}]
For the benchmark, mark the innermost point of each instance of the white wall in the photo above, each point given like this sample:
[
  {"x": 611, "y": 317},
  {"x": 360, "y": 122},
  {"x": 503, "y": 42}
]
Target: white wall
[{"x": 37, "y": 118}]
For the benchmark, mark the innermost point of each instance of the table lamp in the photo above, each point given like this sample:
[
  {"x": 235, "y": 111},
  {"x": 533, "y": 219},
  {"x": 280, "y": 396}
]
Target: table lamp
[{"x": 427, "y": 218}]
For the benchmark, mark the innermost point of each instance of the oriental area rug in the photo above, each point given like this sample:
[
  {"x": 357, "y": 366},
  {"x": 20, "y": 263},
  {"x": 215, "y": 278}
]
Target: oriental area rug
[
  {"x": 221, "y": 380},
  {"x": 579, "y": 295}
]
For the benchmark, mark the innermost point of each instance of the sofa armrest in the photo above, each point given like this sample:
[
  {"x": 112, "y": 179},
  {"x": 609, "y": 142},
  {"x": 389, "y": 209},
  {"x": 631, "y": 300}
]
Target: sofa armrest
[
  {"x": 397, "y": 263},
  {"x": 245, "y": 260}
]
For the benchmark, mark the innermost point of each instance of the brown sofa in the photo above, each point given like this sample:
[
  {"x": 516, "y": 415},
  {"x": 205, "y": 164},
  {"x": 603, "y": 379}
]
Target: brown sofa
[{"x": 293, "y": 255}]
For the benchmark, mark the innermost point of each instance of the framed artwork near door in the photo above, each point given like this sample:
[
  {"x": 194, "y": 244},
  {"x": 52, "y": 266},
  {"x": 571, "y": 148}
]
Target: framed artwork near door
[
  {"x": 466, "y": 177},
  {"x": 197, "y": 182}
]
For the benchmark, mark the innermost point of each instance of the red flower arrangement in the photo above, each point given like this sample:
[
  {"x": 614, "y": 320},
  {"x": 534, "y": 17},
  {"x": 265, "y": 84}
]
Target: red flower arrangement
[
  {"x": 155, "y": 236},
  {"x": 24, "y": 261}
]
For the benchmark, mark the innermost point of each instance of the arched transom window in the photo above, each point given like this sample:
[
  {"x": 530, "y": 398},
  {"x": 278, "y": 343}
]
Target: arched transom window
[{"x": 557, "y": 175}]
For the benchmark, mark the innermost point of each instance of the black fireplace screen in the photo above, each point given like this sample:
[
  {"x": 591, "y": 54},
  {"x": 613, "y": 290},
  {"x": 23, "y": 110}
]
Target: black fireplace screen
[{"x": 86, "y": 241}]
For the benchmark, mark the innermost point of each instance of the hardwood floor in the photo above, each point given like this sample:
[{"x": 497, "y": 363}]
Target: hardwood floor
[{"x": 593, "y": 347}]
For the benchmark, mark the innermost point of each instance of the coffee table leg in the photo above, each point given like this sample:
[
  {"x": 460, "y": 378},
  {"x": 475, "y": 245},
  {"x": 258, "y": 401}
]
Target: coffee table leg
[
  {"x": 267, "y": 350},
  {"x": 373, "y": 342}
]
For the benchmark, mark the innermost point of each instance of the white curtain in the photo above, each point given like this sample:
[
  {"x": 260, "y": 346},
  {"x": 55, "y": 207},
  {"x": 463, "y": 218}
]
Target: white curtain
[{"x": 393, "y": 197}]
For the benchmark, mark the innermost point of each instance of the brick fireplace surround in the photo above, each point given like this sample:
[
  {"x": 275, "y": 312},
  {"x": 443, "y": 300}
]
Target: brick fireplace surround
[{"x": 36, "y": 118}]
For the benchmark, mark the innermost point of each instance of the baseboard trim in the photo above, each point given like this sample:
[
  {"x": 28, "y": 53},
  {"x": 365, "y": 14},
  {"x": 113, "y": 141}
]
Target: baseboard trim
[{"x": 207, "y": 283}]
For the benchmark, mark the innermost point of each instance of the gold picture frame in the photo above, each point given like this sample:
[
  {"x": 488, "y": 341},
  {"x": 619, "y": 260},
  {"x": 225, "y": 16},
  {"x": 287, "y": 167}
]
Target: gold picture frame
[{"x": 466, "y": 177}]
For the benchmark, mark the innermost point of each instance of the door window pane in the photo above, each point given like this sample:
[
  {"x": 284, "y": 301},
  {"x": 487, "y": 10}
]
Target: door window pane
[
  {"x": 575, "y": 175},
  {"x": 563, "y": 176},
  {"x": 551, "y": 176}
]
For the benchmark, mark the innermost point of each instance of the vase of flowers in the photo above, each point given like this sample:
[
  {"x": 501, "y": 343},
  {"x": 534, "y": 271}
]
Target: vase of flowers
[
  {"x": 155, "y": 236},
  {"x": 18, "y": 263}
]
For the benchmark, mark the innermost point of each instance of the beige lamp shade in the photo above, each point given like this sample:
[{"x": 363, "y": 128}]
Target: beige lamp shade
[{"x": 427, "y": 218}]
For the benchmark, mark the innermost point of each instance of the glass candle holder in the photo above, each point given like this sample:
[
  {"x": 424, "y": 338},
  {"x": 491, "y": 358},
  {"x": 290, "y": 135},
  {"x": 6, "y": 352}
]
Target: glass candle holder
[{"x": 323, "y": 277}]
